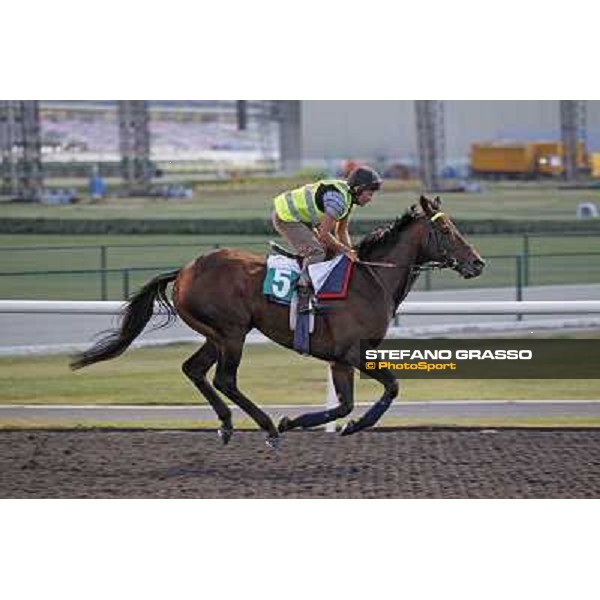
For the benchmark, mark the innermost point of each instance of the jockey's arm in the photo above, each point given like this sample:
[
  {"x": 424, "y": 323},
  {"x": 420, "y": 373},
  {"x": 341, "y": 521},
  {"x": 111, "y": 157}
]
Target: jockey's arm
[
  {"x": 325, "y": 235},
  {"x": 342, "y": 233}
]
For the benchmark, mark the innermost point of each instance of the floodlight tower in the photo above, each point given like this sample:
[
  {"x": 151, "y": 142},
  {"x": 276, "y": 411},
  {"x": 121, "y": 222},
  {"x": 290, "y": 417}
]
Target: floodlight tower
[
  {"x": 21, "y": 148},
  {"x": 10, "y": 181},
  {"x": 265, "y": 120},
  {"x": 288, "y": 113},
  {"x": 573, "y": 130},
  {"x": 241, "y": 109},
  {"x": 134, "y": 142},
  {"x": 430, "y": 141}
]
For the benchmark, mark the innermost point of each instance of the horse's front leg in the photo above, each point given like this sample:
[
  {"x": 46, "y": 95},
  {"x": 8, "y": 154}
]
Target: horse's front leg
[
  {"x": 343, "y": 382},
  {"x": 392, "y": 388}
]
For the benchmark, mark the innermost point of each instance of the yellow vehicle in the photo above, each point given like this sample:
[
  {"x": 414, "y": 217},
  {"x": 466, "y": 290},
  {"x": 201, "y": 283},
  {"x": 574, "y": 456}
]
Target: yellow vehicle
[
  {"x": 595, "y": 165},
  {"x": 549, "y": 157},
  {"x": 522, "y": 160},
  {"x": 508, "y": 160}
]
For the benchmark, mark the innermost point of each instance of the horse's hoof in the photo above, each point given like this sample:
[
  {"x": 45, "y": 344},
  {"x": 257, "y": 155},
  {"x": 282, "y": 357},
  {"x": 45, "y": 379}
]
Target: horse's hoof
[
  {"x": 273, "y": 441},
  {"x": 225, "y": 434},
  {"x": 349, "y": 428},
  {"x": 284, "y": 424}
]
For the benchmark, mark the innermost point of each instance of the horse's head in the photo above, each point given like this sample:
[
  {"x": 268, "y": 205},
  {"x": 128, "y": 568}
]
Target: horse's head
[{"x": 444, "y": 244}]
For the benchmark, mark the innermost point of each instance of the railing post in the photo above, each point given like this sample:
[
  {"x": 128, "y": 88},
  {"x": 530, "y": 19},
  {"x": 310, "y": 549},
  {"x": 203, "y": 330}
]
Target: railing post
[
  {"x": 519, "y": 290},
  {"x": 428, "y": 280},
  {"x": 526, "y": 260},
  {"x": 103, "y": 282},
  {"x": 331, "y": 400},
  {"x": 125, "y": 284}
]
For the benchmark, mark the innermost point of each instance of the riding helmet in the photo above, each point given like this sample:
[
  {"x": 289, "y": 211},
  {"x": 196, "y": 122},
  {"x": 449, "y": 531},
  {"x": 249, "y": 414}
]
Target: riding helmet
[{"x": 364, "y": 178}]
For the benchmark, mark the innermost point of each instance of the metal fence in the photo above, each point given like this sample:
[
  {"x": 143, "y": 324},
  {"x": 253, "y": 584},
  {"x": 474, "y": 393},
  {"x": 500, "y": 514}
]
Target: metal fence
[{"x": 88, "y": 273}]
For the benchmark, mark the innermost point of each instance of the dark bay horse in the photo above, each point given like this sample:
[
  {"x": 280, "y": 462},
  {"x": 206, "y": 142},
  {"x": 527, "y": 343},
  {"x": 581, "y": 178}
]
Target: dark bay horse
[{"x": 220, "y": 296}]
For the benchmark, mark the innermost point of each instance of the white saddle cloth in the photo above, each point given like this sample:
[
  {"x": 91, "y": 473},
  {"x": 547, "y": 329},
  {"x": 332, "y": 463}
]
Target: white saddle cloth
[{"x": 318, "y": 273}]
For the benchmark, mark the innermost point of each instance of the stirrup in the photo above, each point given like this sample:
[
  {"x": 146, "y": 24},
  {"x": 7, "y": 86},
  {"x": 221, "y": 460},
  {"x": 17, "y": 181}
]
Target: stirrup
[
  {"x": 304, "y": 302},
  {"x": 304, "y": 290}
]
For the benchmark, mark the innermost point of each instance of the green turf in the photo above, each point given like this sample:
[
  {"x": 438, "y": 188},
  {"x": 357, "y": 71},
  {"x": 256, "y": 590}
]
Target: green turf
[
  {"x": 254, "y": 200},
  {"x": 53, "y": 253},
  {"x": 149, "y": 249},
  {"x": 268, "y": 374}
]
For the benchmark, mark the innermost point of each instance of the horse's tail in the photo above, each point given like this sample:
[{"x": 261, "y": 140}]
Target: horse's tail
[{"x": 134, "y": 318}]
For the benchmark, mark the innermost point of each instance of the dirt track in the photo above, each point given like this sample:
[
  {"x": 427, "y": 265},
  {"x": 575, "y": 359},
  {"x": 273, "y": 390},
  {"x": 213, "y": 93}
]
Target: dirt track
[{"x": 380, "y": 464}]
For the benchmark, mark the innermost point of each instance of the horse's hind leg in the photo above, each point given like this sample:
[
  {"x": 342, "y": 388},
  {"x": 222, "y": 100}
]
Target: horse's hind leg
[
  {"x": 196, "y": 368},
  {"x": 226, "y": 381},
  {"x": 343, "y": 381}
]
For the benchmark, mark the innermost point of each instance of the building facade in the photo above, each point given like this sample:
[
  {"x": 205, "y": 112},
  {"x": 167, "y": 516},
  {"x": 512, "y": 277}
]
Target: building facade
[{"x": 385, "y": 130}]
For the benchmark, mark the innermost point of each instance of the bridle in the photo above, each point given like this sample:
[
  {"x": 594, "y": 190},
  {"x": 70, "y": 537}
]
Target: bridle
[{"x": 443, "y": 247}]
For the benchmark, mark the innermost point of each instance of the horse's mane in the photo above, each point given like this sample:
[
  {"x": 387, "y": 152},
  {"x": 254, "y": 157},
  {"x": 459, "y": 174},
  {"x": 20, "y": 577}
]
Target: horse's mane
[{"x": 381, "y": 237}]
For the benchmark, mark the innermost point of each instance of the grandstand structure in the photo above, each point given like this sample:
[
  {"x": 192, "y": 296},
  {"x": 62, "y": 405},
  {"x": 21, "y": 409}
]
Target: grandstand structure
[
  {"x": 131, "y": 139},
  {"x": 178, "y": 130}
]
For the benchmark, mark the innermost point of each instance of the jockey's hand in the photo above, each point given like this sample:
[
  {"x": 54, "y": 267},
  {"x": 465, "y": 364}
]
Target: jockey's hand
[{"x": 351, "y": 254}]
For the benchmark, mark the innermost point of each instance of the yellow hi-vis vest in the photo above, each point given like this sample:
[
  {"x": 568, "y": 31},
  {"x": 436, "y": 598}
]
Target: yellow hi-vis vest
[{"x": 299, "y": 205}]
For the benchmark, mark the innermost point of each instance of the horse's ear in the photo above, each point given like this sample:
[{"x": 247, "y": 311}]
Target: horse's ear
[
  {"x": 437, "y": 203},
  {"x": 426, "y": 205}
]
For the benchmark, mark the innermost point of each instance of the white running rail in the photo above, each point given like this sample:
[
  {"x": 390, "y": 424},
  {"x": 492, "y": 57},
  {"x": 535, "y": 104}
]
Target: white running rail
[{"x": 508, "y": 307}]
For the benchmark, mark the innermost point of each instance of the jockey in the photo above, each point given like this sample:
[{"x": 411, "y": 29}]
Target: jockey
[{"x": 314, "y": 218}]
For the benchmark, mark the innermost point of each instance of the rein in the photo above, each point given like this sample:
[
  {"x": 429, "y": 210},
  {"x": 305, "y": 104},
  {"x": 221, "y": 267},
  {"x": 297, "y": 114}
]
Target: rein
[
  {"x": 377, "y": 278},
  {"x": 368, "y": 263},
  {"x": 429, "y": 266}
]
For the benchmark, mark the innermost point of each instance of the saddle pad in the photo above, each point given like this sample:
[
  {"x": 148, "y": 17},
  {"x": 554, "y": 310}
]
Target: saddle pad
[
  {"x": 330, "y": 278},
  {"x": 281, "y": 277}
]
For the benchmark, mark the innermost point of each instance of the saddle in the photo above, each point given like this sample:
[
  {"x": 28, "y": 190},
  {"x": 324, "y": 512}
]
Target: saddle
[
  {"x": 283, "y": 251},
  {"x": 329, "y": 279},
  {"x": 279, "y": 249}
]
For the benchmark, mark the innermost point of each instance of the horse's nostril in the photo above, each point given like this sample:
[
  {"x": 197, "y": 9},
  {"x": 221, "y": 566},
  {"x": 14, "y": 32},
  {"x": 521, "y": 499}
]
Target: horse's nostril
[{"x": 479, "y": 263}]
